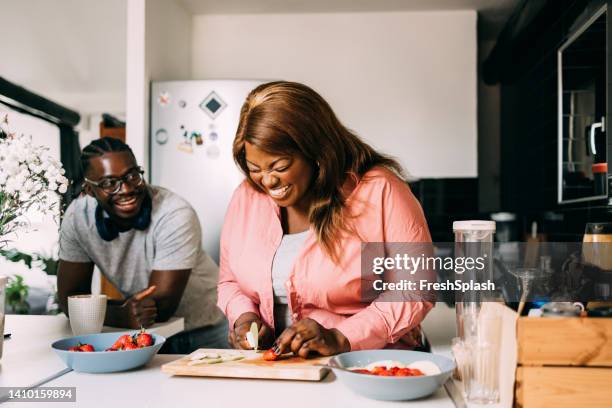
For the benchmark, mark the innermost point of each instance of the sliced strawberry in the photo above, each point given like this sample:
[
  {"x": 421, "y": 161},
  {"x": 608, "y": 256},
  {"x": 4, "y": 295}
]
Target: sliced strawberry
[
  {"x": 361, "y": 371},
  {"x": 87, "y": 348},
  {"x": 270, "y": 355}
]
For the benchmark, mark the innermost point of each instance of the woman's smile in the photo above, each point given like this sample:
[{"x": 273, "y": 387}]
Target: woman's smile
[
  {"x": 280, "y": 193},
  {"x": 286, "y": 178}
]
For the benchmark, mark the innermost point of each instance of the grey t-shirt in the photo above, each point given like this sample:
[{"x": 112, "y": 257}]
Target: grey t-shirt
[{"x": 171, "y": 242}]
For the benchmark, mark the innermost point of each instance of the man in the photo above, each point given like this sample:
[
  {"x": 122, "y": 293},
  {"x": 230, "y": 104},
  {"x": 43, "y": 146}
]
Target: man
[{"x": 147, "y": 242}]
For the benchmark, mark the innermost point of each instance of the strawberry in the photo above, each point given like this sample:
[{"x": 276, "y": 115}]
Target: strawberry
[
  {"x": 87, "y": 348},
  {"x": 121, "y": 342},
  {"x": 271, "y": 355},
  {"x": 75, "y": 348},
  {"x": 144, "y": 339},
  {"x": 130, "y": 346}
]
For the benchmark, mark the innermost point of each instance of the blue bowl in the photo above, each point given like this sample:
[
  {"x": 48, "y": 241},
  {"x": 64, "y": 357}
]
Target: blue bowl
[
  {"x": 105, "y": 361},
  {"x": 391, "y": 388}
]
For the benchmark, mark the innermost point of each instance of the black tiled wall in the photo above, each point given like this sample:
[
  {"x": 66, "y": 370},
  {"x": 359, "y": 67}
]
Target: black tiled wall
[
  {"x": 446, "y": 200},
  {"x": 528, "y": 165}
]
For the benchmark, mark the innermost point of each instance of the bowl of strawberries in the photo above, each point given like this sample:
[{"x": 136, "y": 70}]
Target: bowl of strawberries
[{"x": 108, "y": 352}]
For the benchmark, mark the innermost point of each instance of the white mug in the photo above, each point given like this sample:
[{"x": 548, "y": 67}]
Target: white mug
[{"x": 87, "y": 313}]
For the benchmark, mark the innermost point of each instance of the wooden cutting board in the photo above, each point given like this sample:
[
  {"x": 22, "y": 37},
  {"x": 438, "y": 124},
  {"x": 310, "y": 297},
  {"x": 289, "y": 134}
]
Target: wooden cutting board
[{"x": 253, "y": 365}]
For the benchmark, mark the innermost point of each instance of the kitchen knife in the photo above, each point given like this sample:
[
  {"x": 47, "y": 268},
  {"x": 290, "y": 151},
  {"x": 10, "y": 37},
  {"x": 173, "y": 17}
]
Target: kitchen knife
[{"x": 454, "y": 394}]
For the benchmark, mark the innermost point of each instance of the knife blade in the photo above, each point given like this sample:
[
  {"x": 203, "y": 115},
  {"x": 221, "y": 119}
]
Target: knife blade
[{"x": 454, "y": 394}]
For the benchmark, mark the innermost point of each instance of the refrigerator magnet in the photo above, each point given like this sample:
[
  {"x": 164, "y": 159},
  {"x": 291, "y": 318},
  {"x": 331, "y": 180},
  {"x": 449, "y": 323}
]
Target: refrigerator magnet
[
  {"x": 185, "y": 147},
  {"x": 161, "y": 136},
  {"x": 197, "y": 136},
  {"x": 163, "y": 99}
]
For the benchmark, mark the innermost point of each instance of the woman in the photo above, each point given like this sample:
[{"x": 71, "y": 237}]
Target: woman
[{"x": 291, "y": 241}]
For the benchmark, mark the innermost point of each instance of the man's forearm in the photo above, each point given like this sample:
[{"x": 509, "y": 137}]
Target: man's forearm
[
  {"x": 62, "y": 299},
  {"x": 73, "y": 278},
  {"x": 165, "y": 308},
  {"x": 116, "y": 315}
]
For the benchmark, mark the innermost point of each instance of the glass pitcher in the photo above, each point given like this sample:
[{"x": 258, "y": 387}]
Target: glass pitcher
[{"x": 473, "y": 240}]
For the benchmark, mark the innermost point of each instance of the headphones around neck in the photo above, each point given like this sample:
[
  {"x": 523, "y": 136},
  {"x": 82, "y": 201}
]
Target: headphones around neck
[{"x": 109, "y": 230}]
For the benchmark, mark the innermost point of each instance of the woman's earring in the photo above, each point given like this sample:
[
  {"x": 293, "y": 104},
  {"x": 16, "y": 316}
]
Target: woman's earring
[{"x": 318, "y": 165}]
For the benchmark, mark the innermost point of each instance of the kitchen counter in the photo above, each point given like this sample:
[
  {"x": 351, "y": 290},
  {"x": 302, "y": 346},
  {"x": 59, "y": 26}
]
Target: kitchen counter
[
  {"x": 149, "y": 387},
  {"x": 28, "y": 358}
]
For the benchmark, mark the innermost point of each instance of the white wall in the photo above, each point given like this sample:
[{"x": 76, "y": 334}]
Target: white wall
[
  {"x": 405, "y": 81},
  {"x": 158, "y": 48},
  {"x": 137, "y": 80},
  {"x": 71, "y": 51}
]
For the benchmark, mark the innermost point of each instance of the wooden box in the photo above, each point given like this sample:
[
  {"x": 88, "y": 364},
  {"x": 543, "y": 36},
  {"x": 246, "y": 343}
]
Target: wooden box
[{"x": 564, "y": 362}]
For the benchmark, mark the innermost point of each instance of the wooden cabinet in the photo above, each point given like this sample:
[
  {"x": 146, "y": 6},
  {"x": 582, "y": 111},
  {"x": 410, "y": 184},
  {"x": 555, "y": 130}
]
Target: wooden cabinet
[{"x": 564, "y": 363}]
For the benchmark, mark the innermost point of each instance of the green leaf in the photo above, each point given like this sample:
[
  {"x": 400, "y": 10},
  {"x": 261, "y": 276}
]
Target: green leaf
[
  {"x": 17, "y": 295},
  {"x": 14, "y": 255}
]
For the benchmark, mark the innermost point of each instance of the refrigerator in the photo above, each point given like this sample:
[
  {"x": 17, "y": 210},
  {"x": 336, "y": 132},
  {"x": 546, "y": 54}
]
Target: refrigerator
[{"x": 193, "y": 125}]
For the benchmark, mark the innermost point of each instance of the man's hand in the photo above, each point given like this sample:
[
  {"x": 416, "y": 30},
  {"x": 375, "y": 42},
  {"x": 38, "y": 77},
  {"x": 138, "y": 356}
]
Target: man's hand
[{"x": 140, "y": 310}]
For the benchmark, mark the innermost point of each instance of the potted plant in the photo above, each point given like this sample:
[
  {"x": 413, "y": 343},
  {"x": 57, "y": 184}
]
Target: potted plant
[
  {"x": 30, "y": 179},
  {"x": 48, "y": 263},
  {"x": 17, "y": 295}
]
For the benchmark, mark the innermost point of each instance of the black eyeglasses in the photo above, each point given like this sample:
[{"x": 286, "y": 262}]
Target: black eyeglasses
[{"x": 112, "y": 185}]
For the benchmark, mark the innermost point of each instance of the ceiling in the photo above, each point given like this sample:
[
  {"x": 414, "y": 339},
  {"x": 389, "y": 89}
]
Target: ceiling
[{"x": 493, "y": 14}]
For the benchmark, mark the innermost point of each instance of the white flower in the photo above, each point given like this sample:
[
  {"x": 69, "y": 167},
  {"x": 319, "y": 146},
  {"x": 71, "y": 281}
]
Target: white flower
[
  {"x": 11, "y": 165},
  {"x": 29, "y": 179},
  {"x": 10, "y": 187},
  {"x": 28, "y": 185}
]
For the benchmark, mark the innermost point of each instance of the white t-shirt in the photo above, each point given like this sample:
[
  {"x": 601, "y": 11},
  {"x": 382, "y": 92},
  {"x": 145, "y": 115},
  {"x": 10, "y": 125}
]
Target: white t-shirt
[{"x": 285, "y": 256}]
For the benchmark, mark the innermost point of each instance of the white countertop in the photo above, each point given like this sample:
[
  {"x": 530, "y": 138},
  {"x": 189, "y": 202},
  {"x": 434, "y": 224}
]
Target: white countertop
[
  {"x": 149, "y": 387},
  {"x": 28, "y": 359}
]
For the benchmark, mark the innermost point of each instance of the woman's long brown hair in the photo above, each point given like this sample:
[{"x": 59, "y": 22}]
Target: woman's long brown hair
[{"x": 290, "y": 118}]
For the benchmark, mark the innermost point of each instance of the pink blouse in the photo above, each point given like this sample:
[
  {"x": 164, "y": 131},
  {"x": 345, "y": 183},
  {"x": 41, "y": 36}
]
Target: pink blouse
[{"x": 318, "y": 288}]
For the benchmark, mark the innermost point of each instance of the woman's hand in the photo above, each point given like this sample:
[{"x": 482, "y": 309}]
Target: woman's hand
[
  {"x": 308, "y": 336},
  {"x": 237, "y": 337}
]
